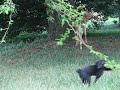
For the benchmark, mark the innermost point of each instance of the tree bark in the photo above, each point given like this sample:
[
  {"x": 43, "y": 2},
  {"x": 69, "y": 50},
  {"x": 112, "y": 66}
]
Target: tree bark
[{"x": 55, "y": 28}]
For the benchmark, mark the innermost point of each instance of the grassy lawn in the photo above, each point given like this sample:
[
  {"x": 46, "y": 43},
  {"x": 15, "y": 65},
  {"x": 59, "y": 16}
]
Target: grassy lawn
[{"x": 33, "y": 67}]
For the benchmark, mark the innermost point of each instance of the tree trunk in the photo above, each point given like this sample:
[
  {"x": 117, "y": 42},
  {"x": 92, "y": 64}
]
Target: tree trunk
[{"x": 55, "y": 28}]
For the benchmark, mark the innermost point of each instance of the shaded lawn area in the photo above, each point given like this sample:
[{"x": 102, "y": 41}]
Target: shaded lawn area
[{"x": 30, "y": 67}]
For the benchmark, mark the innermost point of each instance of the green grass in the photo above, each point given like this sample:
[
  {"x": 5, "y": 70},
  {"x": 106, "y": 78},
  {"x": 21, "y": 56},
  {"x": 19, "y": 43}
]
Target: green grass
[
  {"x": 23, "y": 67},
  {"x": 32, "y": 66}
]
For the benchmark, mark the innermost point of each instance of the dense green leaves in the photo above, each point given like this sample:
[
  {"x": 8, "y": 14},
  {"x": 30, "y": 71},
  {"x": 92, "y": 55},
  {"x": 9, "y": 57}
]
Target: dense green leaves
[
  {"x": 73, "y": 17},
  {"x": 69, "y": 15},
  {"x": 7, "y": 7},
  {"x": 63, "y": 37},
  {"x": 29, "y": 16}
]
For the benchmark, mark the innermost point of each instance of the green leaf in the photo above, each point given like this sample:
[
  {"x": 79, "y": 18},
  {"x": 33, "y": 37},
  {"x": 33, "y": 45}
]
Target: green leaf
[
  {"x": 59, "y": 43},
  {"x": 50, "y": 18},
  {"x": 63, "y": 22}
]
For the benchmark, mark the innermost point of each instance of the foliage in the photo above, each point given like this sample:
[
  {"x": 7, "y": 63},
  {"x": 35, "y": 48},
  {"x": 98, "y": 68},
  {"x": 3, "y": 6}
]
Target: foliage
[
  {"x": 115, "y": 21},
  {"x": 73, "y": 17},
  {"x": 8, "y": 7},
  {"x": 25, "y": 36},
  {"x": 69, "y": 15},
  {"x": 63, "y": 37},
  {"x": 109, "y": 63},
  {"x": 31, "y": 17},
  {"x": 96, "y": 24},
  {"x": 107, "y": 7}
]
